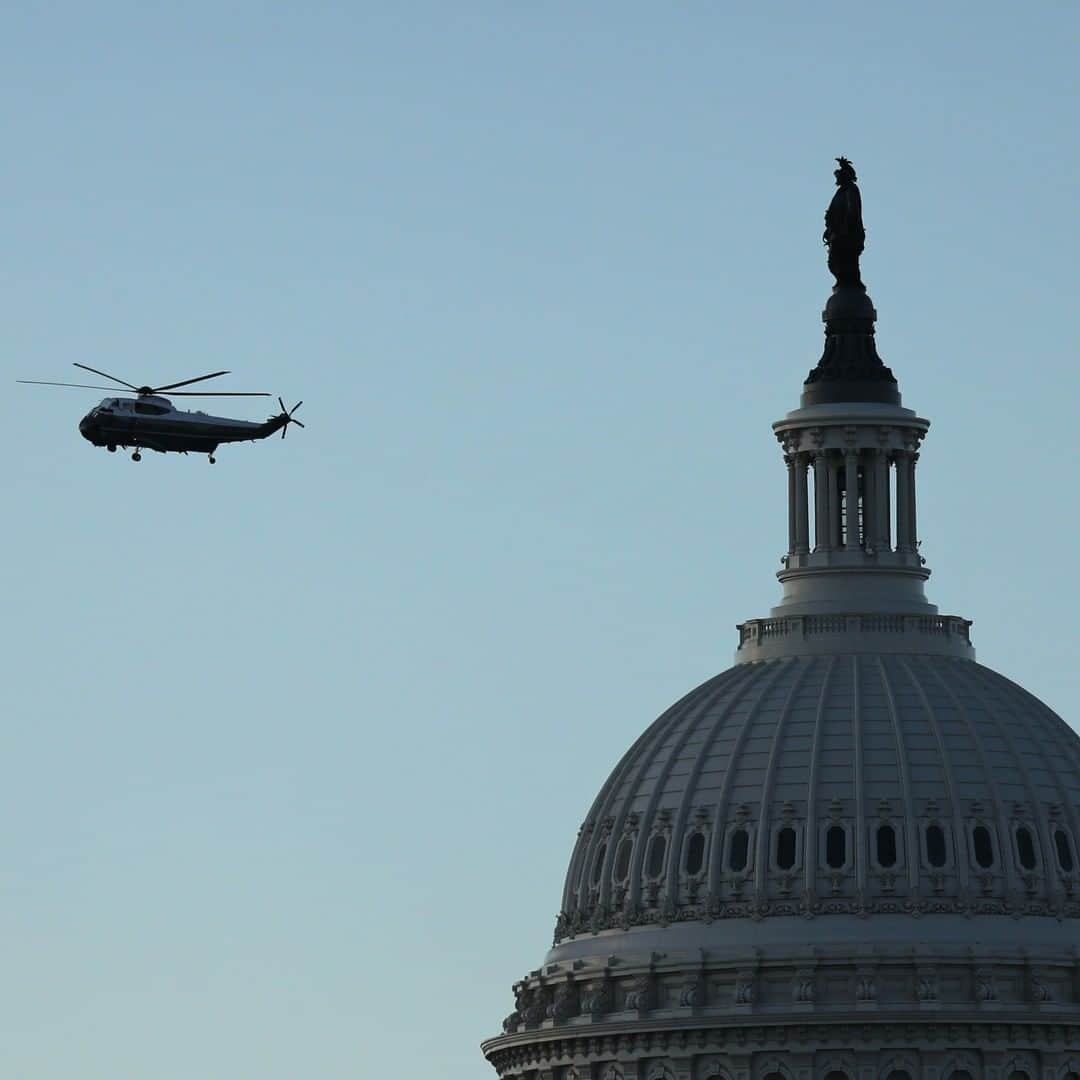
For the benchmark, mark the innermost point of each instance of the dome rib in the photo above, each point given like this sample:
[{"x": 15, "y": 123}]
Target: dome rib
[
  {"x": 637, "y": 762},
  {"x": 810, "y": 867},
  {"x": 675, "y": 859},
  {"x": 860, "y": 782},
  {"x": 1022, "y": 698},
  {"x": 649, "y": 815},
  {"x": 1008, "y": 856},
  {"x": 577, "y": 875},
  {"x": 717, "y": 846},
  {"x": 1071, "y": 744},
  {"x": 960, "y": 845},
  {"x": 761, "y": 859},
  {"x": 911, "y": 828},
  {"x": 1051, "y": 885}
]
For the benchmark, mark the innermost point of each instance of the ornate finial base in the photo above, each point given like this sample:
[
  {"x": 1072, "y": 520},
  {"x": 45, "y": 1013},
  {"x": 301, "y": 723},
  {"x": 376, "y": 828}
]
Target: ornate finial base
[{"x": 850, "y": 368}]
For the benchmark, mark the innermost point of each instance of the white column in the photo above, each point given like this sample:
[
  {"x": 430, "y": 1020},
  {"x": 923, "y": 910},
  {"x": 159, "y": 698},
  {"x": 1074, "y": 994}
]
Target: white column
[
  {"x": 913, "y": 457},
  {"x": 821, "y": 501},
  {"x": 802, "y": 510},
  {"x": 852, "y": 539},
  {"x": 792, "y": 503},
  {"x": 869, "y": 499},
  {"x": 904, "y": 501},
  {"x": 834, "y": 505},
  {"x": 881, "y": 501}
]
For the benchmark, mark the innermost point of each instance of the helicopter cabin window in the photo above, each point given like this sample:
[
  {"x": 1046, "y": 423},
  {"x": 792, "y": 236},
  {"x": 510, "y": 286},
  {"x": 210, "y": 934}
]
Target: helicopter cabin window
[{"x": 149, "y": 410}]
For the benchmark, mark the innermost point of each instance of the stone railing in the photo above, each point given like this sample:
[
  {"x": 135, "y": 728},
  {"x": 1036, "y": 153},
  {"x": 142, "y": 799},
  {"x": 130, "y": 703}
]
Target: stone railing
[{"x": 796, "y": 634}]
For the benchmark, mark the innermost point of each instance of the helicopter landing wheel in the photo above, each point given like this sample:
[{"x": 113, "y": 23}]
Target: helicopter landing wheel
[
  {"x": 136, "y": 456},
  {"x": 111, "y": 448},
  {"x": 212, "y": 459}
]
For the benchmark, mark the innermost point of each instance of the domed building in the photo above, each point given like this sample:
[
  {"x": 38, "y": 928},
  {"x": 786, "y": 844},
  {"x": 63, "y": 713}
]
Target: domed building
[{"x": 851, "y": 856}]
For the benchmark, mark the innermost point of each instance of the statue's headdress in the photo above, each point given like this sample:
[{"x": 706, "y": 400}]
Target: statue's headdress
[{"x": 846, "y": 170}]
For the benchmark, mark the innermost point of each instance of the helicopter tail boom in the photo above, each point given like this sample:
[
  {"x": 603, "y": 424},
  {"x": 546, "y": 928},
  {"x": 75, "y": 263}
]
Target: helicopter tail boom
[{"x": 280, "y": 422}]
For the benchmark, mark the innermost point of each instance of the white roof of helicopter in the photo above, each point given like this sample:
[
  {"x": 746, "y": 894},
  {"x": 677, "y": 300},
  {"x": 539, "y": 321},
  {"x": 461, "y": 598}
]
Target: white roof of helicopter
[{"x": 127, "y": 402}]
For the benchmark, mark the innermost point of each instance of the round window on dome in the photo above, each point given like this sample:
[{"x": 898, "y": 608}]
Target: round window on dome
[
  {"x": 622, "y": 860},
  {"x": 598, "y": 863},
  {"x": 695, "y": 853},
  {"x": 1025, "y": 848},
  {"x": 1064, "y": 850},
  {"x": 983, "y": 846},
  {"x": 738, "y": 850},
  {"x": 657, "y": 850},
  {"x": 937, "y": 854},
  {"x": 786, "y": 847}
]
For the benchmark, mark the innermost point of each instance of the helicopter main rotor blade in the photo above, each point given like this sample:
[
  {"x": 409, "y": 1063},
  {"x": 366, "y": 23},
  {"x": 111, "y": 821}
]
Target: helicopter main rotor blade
[
  {"x": 81, "y": 386},
  {"x": 214, "y": 393},
  {"x": 186, "y": 382},
  {"x": 86, "y": 367}
]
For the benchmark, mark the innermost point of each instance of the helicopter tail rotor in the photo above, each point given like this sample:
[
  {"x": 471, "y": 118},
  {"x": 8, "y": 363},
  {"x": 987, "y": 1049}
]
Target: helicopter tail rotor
[{"x": 287, "y": 416}]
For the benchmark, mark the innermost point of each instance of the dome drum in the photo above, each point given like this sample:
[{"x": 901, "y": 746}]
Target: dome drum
[{"x": 705, "y": 1010}]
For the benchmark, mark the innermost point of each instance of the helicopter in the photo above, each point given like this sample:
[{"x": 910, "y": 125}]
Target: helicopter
[{"x": 152, "y": 422}]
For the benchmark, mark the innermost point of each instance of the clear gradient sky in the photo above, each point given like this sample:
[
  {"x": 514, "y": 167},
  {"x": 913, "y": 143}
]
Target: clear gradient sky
[{"x": 295, "y": 748}]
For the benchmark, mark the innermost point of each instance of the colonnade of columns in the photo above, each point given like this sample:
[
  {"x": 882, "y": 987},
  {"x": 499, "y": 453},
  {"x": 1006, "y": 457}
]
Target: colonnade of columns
[{"x": 853, "y": 500}]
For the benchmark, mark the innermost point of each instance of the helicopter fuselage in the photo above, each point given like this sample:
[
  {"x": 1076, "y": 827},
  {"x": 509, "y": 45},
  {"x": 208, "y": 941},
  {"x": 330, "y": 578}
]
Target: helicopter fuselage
[{"x": 151, "y": 422}]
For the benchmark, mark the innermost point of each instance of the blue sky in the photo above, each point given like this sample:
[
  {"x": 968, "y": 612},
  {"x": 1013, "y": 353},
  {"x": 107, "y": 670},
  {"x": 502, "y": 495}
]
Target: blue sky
[{"x": 296, "y": 747}]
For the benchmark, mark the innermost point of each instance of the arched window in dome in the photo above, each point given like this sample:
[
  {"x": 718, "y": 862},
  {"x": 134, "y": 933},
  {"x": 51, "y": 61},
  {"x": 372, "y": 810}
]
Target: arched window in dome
[
  {"x": 983, "y": 846},
  {"x": 1025, "y": 848},
  {"x": 695, "y": 852},
  {"x": 1064, "y": 850},
  {"x": 622, "y": 860},
  {"x": 835, "y": 848},
  {"x": 786, "y": 847},
  {"x": 937, "y": 854},
  {"x": 886, "y": 846},
  {"x": 738, "y": 850},
  {"x": 598, "y": 863},
  {"x": 657, "y": 850}
]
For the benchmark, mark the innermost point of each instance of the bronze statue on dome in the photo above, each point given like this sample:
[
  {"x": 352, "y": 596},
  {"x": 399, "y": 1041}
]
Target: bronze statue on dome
[{"x": 844, "y": 233}]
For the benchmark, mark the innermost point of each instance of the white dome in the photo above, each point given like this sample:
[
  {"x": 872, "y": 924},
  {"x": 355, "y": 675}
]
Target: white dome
[{"x": 832, "y": 785}]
